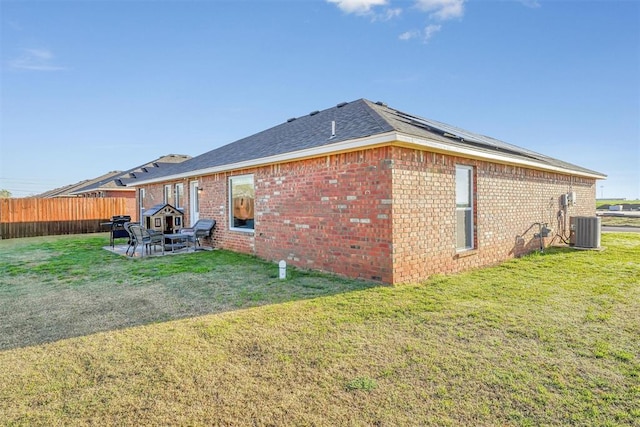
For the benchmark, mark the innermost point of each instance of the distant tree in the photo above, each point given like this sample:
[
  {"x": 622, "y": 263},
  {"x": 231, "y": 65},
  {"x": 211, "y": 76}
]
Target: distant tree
[{"x": 5, "y": 194}]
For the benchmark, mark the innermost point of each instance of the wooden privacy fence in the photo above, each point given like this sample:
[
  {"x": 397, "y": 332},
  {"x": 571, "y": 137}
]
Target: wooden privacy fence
[{"x": 31, "y": 217}]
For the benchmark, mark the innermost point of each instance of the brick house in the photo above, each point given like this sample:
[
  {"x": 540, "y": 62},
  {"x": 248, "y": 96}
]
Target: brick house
[{"x": 367, "y": 191}]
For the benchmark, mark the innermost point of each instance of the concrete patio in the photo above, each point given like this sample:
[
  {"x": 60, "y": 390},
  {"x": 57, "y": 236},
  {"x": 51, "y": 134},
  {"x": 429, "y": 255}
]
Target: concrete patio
[{"x": 121, "y": 249}]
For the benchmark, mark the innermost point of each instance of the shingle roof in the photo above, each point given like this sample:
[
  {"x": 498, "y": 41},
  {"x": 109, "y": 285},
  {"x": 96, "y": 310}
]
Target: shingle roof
[
  {"x": 116, "y": 179},
  {"x": 121, "y": 179},
  {"x": 353, "y": 120},
  {"x": 68, "y": 190},
  {"x": 455, "y": 136}
]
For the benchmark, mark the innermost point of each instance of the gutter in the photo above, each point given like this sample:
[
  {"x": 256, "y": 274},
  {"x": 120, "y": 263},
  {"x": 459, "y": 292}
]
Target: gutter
[
  {"x": 123, "y": 188},
  {"x": 388, "y": 138}
]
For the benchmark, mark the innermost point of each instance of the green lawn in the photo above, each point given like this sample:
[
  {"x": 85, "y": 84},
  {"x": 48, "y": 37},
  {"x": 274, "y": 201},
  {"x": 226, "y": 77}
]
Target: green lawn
[
  {"x": 59, "y": 287},
  {"x": 607, "y": 202},
  {"x": 548, "y": 339},
  {"x": 621, "y": 221},
  {"x": 612, "y": 218}
]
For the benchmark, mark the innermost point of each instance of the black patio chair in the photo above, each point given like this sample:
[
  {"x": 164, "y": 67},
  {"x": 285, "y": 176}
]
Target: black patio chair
[
  {"x": 145, "y": 238},
  {"x": 201, "y": 229},
  {"x": 131, "y": 239}
]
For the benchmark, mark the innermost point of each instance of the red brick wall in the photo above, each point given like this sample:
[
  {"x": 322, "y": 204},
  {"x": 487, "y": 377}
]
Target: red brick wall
[
  {"x": 508, "y": 200},
  {"x": 331, "y": 214},
  {"x": 153, "y": 195},
  {"x": 338, "y": 213},
  {"x": 119, "y": 193}
]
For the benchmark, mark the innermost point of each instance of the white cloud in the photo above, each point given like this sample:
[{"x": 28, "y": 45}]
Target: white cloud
[
  {"x": 429, "y": 31},
  {"x": 425, "y": 35},
  {"x": 387, "y": 15},
  {"x": 438, "y": 10},
  {"x": 365, "y": 8},
  {"x": 359, "y": 7},
  {"x": 408, "y": 35},
  {"x": 533, "y": 4},
  {"x": 35, "y": 60},
  {"x": 442, "y": 9}
]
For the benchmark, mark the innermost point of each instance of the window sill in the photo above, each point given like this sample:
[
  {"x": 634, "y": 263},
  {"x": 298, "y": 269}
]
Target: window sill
[
  {"x": 463, "y": 253},
  {"x": 242, "y": 230}
]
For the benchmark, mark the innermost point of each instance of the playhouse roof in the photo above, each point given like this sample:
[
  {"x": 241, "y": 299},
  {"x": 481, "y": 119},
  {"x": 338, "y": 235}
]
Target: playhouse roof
[{"x": 165, "y": 208}]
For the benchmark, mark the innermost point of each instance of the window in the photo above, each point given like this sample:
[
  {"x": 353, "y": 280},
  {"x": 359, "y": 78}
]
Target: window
[
  {"x": 141, "y": 204},
  {"x": 464, "y": 208},
  {"x": 167, "y": 193},
  {"x": 241, "y": 202},
  {"x": 179, "y": 193}
]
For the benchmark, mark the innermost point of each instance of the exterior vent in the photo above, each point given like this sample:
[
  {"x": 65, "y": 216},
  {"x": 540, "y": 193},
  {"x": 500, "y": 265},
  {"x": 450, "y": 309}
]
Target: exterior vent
[
  {"x": 380, "y": 103},
  {"x": 342, "y": 104},
  {"x": 313, "y": 113},
  {"x": 585, "y": 231},
  {"x": 291, "y": 119}
]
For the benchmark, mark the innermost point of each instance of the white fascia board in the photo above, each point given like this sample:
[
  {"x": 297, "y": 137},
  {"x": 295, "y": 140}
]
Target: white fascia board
[
  {"x": 370, "y": 142},
  {"x": 93, "y": 190},
  {"x": 349, "y": 145},
  {"x": 492, "y": 157}
]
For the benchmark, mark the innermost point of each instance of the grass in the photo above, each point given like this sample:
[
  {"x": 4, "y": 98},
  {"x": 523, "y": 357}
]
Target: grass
[
  {"x": 547, "y": 339},
  {"x": 617, "y": 221},
  {"x": 607, "y": 202},
  {"x": 60, "y": 287},
  {"x": 621, "y": 221}
]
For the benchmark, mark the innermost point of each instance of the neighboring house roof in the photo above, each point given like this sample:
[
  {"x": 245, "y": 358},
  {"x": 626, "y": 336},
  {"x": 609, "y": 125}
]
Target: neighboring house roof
[
  {"x": 357, "y": 125},
  {"x": 116, "y": 180},
  {"x": 122, "y": 180},
  {"x": 67, "y": 190}
]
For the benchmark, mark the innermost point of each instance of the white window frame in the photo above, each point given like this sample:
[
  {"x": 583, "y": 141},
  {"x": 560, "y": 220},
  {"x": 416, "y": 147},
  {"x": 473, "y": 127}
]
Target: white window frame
[
  {"x": 179, "y": 195},
  {"x": 167, "y": 193},
  {"x": 230, "y": 194},
  {"x": 194, "y": 202},
  {"x": 470, "y": 227},
  {"x": 142, "y": 194}
]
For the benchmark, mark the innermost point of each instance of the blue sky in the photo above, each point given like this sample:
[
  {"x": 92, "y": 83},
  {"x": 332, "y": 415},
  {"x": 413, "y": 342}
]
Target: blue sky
[{"x": 89, "y": 87}]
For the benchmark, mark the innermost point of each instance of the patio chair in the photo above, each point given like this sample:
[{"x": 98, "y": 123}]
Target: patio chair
[
  {"x": 201, "y": 229},
  {"x": 145, "y": 238},
  {"x": 130, "y": 242}
]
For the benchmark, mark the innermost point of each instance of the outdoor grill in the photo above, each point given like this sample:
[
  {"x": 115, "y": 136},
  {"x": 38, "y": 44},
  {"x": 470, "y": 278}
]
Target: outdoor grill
[{"x": 117, "y": 227}]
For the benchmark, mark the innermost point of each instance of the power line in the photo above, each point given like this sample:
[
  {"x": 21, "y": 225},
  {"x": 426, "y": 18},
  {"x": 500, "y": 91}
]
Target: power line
[{"x": 20, "y": 181}]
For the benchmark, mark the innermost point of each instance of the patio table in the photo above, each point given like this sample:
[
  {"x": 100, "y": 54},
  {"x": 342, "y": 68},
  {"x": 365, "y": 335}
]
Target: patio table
[{"x": 178, "y": 241}]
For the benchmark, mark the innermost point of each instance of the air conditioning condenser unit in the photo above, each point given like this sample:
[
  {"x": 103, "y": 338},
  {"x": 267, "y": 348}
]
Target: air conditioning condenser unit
[{"x": 585, "y": 231}]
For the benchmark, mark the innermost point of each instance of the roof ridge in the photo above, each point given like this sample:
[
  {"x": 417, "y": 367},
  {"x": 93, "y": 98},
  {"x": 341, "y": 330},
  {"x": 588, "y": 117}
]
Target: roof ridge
[{"x": 375, "y": 114}]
